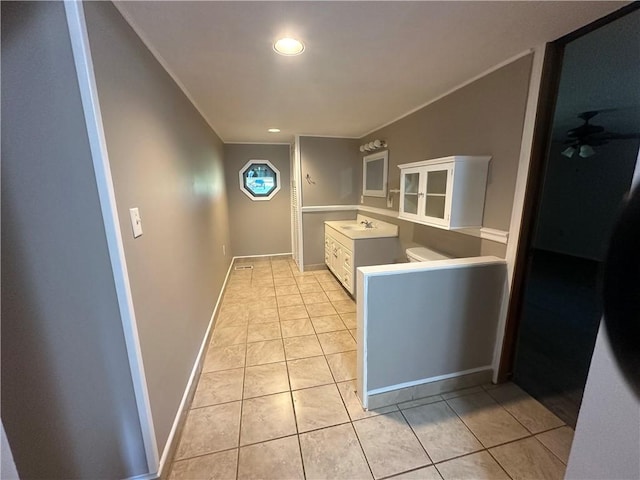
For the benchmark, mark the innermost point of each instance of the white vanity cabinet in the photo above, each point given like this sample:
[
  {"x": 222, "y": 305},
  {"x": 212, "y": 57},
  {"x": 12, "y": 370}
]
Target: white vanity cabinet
[
  {"x": 346, "y": 249},
  {"x": 444, "y": 192},
  {"x": 338, "y": 257}
]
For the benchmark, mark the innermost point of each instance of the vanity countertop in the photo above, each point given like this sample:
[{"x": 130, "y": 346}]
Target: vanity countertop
[{"x": 356, "y": 230}]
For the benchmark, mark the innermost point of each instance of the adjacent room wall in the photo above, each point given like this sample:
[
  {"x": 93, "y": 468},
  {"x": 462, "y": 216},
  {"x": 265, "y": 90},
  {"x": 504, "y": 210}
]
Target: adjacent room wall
[
  {"x": 259, "y": 227},
  {"x": 165, "y": 160},
  {"x": 580, "y": 194},
  {"x": 68, "y": 403}
]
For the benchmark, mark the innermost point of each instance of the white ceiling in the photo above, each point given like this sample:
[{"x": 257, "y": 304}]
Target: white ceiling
[{"x": 365, "y": 65}]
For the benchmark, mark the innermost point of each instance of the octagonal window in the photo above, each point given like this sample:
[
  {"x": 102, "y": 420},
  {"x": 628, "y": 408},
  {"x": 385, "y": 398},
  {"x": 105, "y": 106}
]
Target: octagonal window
[{"x": 259, "y": 179}]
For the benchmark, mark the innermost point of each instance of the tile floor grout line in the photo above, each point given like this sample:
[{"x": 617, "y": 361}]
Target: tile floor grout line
[
  {"x": 416, "y": 435},
  {"x": 514, "y": 417},
  {"x": 355, "y": 430},
  {"x": 351, "y": 421},
  {"x": 244, "y": 375},
  {"x": 549, "y": 450},
  {"x": 495, "y": 459},
  {"x": 295, "y": 418},
  {"x": 472, "y": 432},
  {"x": 484, "y": 447},
  {"x": 199, "y": 455}
]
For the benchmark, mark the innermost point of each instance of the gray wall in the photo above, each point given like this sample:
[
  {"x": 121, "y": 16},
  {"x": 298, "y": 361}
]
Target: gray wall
[
  {"x": 168, "y": 162},
  {"x": 581, "y": 197},
  {"x": 431, "y": 323},
  {"x": 313, "y": 228},
  {"x": 454, "y": 244},
  {"x": 335, "y": 167},
  {"x": 607, "y": 438},
  {"x": 483, "y": 118},
  {"x": 68, "y": 405},
  {"x": 264, "y": 227}
]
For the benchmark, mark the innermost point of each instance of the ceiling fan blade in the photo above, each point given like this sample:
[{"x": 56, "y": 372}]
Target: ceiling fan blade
[
  {"x": 585, "y": 130},
  {"x": 619, "y": 136},
  {"x": 586, "y": 116}
]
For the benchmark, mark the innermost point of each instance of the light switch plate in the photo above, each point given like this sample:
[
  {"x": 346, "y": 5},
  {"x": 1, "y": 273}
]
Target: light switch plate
[{"x": 136, "y": 222}]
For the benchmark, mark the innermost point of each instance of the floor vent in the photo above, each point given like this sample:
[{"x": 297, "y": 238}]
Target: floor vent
[{"x": 243, "y": 267}]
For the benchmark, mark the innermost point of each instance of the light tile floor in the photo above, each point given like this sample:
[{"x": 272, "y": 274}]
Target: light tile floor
[{"x": 276, "y": 400}]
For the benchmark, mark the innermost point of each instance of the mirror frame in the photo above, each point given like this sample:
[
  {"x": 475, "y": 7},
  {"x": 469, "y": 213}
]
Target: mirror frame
[{"x": 367, "y": 192}]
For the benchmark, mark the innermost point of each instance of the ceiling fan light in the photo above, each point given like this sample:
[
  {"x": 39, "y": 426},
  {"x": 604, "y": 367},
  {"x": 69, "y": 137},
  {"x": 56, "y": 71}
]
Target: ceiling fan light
[
  {"x": 568, "y": 152},
  {"x": 586, "y": 151}
]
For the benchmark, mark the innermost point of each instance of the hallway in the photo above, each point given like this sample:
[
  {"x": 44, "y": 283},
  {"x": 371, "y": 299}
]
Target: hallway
[{"x": 276, "y": 399}]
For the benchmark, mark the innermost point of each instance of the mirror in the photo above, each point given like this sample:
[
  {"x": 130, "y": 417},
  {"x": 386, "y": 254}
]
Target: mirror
[{"x": 374, "y": 174}]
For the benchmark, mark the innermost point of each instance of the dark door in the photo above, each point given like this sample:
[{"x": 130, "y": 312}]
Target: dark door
[{"x": 592, "y": 154}]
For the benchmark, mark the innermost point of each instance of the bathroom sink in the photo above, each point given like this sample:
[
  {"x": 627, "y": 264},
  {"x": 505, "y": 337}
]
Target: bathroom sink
[
  {"x": 355, "y": 227},
  {"x": 354, "y": 230}
]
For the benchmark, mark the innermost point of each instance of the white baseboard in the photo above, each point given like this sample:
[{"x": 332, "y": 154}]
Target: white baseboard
[
  {"x": 422, "y": 381},
  {"x": 195, "y": 371},
  {"x": 262, "y": 256},
  {"x": 427, "y": 387}
]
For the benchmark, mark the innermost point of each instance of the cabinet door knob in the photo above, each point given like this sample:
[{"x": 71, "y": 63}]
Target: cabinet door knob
[{"x": 420, "y": 194}]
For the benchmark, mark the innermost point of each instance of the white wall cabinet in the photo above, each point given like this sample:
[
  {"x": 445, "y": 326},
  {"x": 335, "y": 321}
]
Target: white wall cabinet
[{"x": 444, "y": 192}]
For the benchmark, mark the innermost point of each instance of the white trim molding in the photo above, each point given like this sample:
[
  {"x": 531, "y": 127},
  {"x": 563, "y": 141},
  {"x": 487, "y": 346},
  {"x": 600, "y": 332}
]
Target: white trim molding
[
  {"x": 93, "y": 118},
  {"x": 519, "y": 195},
  {"x": 165, "y": 460},
  {"x": 165, "y": 65},
  {"x": 379, "y": 211},
  {"x": 296, "y": 176},
  {"x": 261, "y": 256},
  {"x": 328, "y": 208},
  {"x": 500, "y": 236},
  {"x": 422, "y": 381},
  {"x": 449, "y": 92}
]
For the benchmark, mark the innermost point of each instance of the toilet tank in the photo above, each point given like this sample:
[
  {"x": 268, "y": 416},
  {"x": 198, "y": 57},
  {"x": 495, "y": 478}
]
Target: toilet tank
[{"x": 423, "y": 254}]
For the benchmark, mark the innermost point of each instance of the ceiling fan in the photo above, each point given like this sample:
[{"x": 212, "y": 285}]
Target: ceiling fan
[{"x": 582, "y": 139}]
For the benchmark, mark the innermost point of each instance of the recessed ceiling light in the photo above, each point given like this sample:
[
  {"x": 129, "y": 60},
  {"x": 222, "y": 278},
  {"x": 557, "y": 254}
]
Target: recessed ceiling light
[
  {"x": 288, "y": 46},
  {"x": 274, "y": 130}
]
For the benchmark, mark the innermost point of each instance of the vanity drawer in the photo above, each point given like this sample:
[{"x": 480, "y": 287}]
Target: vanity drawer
[
  {"x": 347, "y": 280},
  {"x": 347, "y": 260}
]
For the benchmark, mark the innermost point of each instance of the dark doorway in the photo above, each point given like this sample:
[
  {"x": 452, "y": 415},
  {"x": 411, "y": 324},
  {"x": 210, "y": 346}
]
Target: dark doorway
[{"x": 590, "y": 162}]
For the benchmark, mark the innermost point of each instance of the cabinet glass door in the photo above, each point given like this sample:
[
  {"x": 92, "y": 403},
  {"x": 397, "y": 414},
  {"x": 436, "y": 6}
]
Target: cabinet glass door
[
  {"x": 410, "y": 184},
  {"x": 436, "y": 193}
]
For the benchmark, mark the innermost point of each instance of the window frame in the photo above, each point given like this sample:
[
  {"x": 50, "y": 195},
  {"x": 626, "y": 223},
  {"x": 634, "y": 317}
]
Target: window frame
[{"x": 247, "y": 191}]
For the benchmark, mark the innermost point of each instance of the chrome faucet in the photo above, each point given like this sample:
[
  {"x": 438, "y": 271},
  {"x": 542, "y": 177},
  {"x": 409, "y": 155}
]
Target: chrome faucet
[{"x": 367, "y": 224}]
